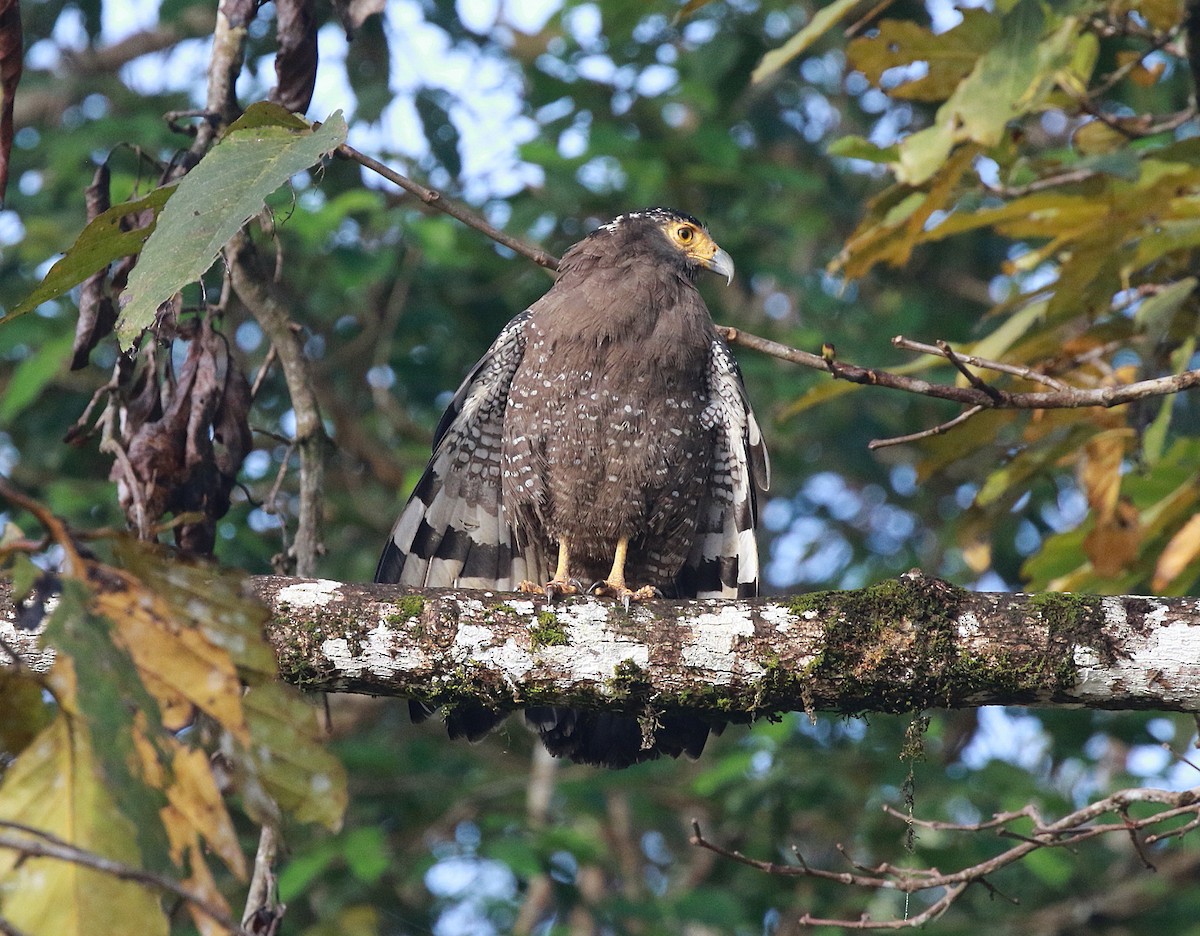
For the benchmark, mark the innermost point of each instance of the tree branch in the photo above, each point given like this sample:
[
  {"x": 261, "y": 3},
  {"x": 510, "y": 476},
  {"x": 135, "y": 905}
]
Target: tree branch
[
  {"x": 979, "y": 395},
  {"x": 1071, "y": 829},
  {"x": 903, "y": 645}
]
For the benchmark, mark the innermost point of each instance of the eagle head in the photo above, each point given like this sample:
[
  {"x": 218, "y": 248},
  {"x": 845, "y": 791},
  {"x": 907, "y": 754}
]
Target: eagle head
[{"x": 675, "y": 237}]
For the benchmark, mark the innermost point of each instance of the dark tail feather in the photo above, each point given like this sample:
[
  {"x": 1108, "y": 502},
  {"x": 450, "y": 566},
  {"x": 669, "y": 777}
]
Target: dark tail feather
[
  {"x": 605, "y": 740},
  {"x": 468, "y": 720}
]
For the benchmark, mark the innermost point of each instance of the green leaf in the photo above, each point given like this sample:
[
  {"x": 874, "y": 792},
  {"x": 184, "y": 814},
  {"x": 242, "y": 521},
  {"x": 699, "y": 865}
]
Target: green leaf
[
  {"x": 32, "y": 375},
  {"x": 1155, "y": 314},
  {"x": 258, "y": 154},
  {"x": 856, "y": 147},
  {"x": 1001, "y": 87},
  {"x": 98, "y": 245},
  {"x": 822, "y": 21},
  {"x": 285, "y": 764}
]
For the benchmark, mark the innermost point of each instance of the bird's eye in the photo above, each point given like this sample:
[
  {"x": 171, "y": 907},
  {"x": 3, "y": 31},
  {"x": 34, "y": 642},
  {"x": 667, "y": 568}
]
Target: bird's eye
[{"x": 684, "y": 234}]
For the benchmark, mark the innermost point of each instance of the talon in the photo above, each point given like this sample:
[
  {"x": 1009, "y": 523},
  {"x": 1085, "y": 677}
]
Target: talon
[
  {"x": 625, "y": 595},
  {"x": 530, "y": 588},
  {"x": 561, "y": 587}
]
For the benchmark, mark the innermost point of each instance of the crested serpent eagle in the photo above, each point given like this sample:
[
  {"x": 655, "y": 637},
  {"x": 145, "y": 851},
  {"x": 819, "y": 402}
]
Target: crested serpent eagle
[{"x": 604, "y": 439}]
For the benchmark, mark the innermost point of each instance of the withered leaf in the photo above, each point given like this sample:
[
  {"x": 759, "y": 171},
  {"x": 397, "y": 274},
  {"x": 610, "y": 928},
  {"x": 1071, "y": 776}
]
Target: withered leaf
[
  {"x": 353, "y": 13},
  {"x": 12, "y": 61},
  {"x": 296, "y": 57},
  {"x": 97, "y": 314}
]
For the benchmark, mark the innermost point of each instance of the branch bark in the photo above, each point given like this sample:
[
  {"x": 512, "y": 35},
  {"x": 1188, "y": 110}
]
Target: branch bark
[{"x": 909, "y": 644}]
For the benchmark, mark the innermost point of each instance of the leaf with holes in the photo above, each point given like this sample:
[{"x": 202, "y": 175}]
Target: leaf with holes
[{"x": 227, "y": 188}]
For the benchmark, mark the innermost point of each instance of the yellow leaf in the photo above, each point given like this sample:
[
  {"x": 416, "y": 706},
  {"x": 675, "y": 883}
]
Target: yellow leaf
[
  {"x": 195, "y": 795},
  {"x": 179, "y": 665},
  {"x": 978, "y": 556},
  {"x": 948, "y": 57},
  {"x": 202, "y": 884},
  {"x": 1179, "y": 553},
  {"x": 53, "y": 786},
  {"x": 1100, "y": 473}
]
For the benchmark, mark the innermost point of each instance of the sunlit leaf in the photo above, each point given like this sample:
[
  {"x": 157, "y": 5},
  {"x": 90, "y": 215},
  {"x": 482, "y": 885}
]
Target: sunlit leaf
[
  {"x": 1100, "y": 473},
  {"x": 227, "y": 188},
  {"x": 1181, "y": 551},
  {"x": 948, "y": 56},
  {"x": 53, "y": 787},
  {"x": 822, "y": 21}
]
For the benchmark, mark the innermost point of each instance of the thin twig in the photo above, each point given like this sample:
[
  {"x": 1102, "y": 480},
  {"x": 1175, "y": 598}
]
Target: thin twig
[
  {"x": 939, "y": 429},
  {"x": 972, "y": 378},
  {"x": 437, "y": 200},
  {"x": 54, "y": 526},
  {"x": 1071, "y": 398},
  {"x": 1070, "y": 830},
  {"x": 262, "y": 896},
  {"x": 1017, "y": 370},
  {"x": 35, "y": 843},
  {"x": 257, "y": 293}
]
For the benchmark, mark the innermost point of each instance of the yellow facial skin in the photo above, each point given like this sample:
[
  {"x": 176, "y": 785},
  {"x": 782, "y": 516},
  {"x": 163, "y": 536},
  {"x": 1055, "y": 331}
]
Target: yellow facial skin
[{"x": 695, "y": 243}]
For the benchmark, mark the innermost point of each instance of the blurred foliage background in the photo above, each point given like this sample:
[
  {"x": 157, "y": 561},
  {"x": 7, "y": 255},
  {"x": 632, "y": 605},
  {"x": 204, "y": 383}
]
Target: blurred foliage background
[{"x": 1018, "y": 179}]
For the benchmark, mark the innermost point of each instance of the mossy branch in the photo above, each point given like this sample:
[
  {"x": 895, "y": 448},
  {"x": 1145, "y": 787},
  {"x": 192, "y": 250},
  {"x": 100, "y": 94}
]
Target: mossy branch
[{"x": 910, "y": 644}]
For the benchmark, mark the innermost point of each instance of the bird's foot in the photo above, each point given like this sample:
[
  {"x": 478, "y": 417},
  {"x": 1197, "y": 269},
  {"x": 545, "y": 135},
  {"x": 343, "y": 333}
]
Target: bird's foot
[
  {"x": 623, "y": 594},
  {"x": 552, "y": 589}
]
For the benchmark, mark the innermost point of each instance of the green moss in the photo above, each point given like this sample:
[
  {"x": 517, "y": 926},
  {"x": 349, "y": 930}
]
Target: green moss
[
  {"x": 407, "y": 608},
  {"x": 895, "y": 647},
  {"x": 628, "y": 681},
  {"x": 548, "y": 632}
]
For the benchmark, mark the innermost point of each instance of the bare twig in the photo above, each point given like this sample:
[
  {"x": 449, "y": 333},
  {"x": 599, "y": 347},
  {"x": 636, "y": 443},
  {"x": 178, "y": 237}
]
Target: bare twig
[
  {"x": 1071, "y": 398},
  {"x": 939, "y": 429},
  {"x": 258, "y": 294},
  {"x": 972, "y": 378},
  {"x": 1016, "y": 370},
  {"x": 441, "y": 203},
  {"x": 262, "y": 897},
  {"x": 54, "y": 526},
  {"x": 35, "y": 843},
  {"x": 1071, "y": 829}
]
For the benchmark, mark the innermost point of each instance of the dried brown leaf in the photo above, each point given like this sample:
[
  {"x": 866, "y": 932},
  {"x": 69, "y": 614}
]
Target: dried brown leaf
[
  {"x": 97, "y": 313},
  {"x": 1100, "y": 473},
  {"x": 1113, "y": 543},
  {"x": 296, "y": 58},
  {"x": 12, "y": 61}
]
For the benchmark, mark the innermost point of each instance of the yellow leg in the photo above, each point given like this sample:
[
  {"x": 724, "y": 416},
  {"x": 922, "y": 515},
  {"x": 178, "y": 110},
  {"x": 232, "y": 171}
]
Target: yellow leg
[
  {"x": 561, "y": 584},
  {"x": 616, "y": 578},
  {"x": 614, "y": 586},
  {"x": 563, "y": 572}
]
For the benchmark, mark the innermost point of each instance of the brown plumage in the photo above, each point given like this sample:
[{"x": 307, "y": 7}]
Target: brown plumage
[{"x": 607, "y": 429}]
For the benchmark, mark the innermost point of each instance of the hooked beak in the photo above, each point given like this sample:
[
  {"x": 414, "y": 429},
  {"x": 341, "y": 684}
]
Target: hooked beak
[{"x": 721, "y": 262}]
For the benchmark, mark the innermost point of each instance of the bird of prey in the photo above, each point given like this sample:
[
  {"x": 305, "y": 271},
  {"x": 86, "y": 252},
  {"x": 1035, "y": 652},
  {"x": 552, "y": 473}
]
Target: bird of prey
[{"x": 605, "y": 438}]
